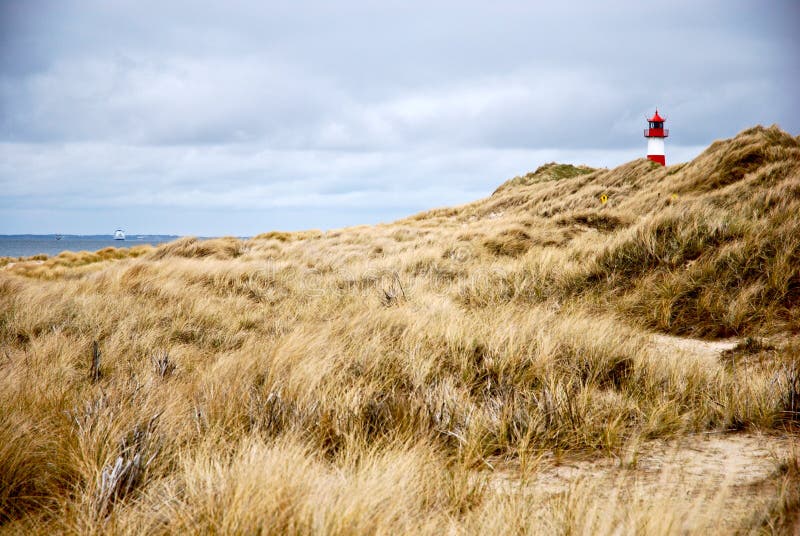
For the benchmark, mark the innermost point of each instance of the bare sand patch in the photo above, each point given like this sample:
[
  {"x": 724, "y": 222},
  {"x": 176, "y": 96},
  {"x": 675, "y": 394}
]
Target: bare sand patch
[{"x": 669, "y": 344}]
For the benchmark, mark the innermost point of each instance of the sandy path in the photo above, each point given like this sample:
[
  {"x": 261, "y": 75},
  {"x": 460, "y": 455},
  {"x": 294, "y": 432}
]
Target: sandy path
[
  {"x": 668, "y": 344},
  {"x": 716, "y": 460},
  {"x": 738, "y": 469}
]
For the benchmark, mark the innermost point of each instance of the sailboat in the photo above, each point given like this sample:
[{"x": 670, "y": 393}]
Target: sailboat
[{"x": 119, "y": 235}]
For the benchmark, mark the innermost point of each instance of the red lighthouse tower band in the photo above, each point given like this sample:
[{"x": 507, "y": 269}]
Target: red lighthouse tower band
[{"x": 655, "y": 139}]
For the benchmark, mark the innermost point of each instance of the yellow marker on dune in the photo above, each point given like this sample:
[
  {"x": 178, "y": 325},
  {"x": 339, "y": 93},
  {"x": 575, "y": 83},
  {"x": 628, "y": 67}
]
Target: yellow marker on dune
[{"x": 603, "y": 199}]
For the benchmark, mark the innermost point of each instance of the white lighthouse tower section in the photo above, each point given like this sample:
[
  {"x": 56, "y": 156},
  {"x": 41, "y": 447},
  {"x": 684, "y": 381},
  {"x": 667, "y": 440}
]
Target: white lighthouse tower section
[{"x": 655, "y": 147}]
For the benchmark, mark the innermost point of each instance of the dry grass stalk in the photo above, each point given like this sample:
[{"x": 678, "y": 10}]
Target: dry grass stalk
[
  {"x": 137, "y": 450},
  {"x": 94, "y": 370},
  {"x": 163, "y": 365}
]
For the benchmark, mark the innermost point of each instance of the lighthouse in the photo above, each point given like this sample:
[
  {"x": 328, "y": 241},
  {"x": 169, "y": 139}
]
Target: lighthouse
[{"x": 655, "y": 135}]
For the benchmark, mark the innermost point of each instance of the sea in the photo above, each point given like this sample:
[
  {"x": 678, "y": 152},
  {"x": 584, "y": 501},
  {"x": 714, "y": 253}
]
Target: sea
[{"x": 51, "y": 245}]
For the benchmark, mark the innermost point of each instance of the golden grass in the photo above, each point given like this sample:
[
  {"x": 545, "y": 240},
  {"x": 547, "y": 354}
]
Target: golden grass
[
  {"x": 69, "y": 263},
  {"x": 371, "y": 379}
]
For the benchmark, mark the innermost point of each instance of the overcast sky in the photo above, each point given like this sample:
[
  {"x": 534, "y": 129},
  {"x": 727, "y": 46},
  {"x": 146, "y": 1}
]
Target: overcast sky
[{"x": 237, "y": 117}]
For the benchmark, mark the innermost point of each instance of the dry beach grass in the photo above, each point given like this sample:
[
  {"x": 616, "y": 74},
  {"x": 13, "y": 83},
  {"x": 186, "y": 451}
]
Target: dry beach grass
[{"x": 429, "y": 375}]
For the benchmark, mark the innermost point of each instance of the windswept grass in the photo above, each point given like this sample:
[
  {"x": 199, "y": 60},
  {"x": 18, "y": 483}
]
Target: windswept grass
[{"x": 374, "y": 379}]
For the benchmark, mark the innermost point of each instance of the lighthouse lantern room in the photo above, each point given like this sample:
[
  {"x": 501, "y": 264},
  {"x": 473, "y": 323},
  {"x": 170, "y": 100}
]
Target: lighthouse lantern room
[{"x": 655, "y": 135}]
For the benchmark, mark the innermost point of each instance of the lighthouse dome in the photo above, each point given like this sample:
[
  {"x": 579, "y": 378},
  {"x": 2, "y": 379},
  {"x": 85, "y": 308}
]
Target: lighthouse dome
[{"x": 656, "y": 118}]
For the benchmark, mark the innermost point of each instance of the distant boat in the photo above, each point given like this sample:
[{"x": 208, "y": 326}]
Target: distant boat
[
  {"x": 119, "y": 235},
  {"x": 59, "y": 237}
]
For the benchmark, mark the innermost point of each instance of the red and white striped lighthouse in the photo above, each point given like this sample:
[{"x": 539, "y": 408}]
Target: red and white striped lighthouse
[{"x": 655, "y": 139}]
